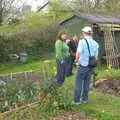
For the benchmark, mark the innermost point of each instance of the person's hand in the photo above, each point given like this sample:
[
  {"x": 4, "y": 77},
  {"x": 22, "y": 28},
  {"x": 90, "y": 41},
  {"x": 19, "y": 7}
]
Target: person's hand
[
  {"x": 76, "y": 60},
  {"x": 77, "y": 64}
]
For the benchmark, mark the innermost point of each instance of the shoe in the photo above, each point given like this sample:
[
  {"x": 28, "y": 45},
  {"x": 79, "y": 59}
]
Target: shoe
[
  {"x": 76, "y": 103},
  {"x": 85, "y": 101},
  {"x": 70, "y": 74}
]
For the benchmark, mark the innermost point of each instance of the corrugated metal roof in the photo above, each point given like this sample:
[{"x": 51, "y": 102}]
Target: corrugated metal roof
[{"x": 94, "y": 18}]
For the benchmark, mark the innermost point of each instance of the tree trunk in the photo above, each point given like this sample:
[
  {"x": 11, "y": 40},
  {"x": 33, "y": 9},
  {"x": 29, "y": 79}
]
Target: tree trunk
[
  {"x": 1, "y": 12},
  {"x": 1, "y": 18},
  {"x": 97, "y": 3}
]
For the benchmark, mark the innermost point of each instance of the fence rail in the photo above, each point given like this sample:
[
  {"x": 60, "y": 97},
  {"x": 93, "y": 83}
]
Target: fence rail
[
  {"x": 31, "y": 74},
  {"x": 5, "y": 115}
]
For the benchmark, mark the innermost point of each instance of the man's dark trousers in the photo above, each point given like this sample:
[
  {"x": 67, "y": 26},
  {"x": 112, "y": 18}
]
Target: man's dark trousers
[{"x": 82, "y": 84}]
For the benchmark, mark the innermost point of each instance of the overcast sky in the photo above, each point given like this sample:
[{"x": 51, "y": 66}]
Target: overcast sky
[{"x": 35, "y": 3}]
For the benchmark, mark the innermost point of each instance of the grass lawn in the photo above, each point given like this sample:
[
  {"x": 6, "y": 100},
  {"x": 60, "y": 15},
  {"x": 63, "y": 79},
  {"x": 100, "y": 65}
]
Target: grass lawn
[
  {"x": 34, "y": 64},
  {"x": 101, "y": 106}
]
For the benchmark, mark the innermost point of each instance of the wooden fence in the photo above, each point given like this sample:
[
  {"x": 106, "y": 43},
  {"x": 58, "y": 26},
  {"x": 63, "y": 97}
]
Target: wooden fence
[{"x": 26, "y": 75}]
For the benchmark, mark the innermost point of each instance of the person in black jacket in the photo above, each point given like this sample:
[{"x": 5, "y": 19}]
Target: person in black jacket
[{"x": 73, "y": 43}]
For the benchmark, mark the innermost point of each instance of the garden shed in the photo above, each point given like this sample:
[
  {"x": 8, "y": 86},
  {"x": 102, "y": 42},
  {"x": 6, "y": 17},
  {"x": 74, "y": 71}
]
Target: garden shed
[{"x": 106, "y": 31}]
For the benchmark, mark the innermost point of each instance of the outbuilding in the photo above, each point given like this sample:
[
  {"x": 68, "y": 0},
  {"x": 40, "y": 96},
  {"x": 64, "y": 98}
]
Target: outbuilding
[{"x": 106, "y": 31}]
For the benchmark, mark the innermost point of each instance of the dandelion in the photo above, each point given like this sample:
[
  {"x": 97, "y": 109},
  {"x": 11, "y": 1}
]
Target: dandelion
[
  {"x": 55, "y": 73},
  {"x": 103, "y": 111},
  {"x": 46, "y": 61},
  {"x": 54, "y": 68},
  {"x": 110, "y": 67},
  {"x": 107, "y": 70}
]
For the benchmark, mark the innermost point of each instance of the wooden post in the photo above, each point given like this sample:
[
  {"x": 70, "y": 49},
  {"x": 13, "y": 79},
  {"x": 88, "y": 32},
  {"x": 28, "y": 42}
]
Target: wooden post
[
  {"x": 11, "y": 76},
  {"x": 26, "y": 77}
]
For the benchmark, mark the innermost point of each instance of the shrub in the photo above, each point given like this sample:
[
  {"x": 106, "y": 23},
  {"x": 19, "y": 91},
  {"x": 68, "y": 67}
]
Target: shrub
[{"x": 34, "y": 41}]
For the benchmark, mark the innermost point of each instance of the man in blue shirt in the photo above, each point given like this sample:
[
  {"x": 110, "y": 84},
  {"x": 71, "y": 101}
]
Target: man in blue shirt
[{"x": 84, "y": 71}]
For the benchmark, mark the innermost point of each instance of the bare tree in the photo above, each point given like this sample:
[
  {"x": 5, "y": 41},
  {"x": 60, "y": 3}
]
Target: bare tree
[
  {"x": 8, "y": 7},
  {"x": 102, "y": 6}
]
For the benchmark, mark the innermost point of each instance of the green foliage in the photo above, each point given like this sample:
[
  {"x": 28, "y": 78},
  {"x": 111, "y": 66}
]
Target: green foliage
[
  {"x": 108, "y": 73},
  {"x": 34, "y": 34},
  {"x": 4, "y": 49},
  {"x": 11, "y": 95},
  {"x": 34, "y": 41},
  {"x": 37, "y": 19},
  {"x": 28, "y": 91},
  {"x": 58, "y": 10}
]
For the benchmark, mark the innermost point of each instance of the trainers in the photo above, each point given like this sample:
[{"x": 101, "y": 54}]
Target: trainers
[
  {"x": 85, "y": 101},
  {"x": 76, "y": 103}
]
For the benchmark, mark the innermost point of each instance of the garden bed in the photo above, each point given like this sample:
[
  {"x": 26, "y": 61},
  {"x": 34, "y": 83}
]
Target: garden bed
[
  {"x": 109, "y": 85},
  {"x": 19, "y": 89}
]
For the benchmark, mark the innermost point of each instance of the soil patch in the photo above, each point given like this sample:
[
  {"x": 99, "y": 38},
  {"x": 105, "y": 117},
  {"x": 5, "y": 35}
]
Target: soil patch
[
  {"x": 109, "y": 85},
  {"x": 72, "y": 116}
]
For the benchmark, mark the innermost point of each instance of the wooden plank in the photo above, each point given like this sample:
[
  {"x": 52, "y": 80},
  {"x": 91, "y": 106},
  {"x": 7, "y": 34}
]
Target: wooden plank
[{"x": 29, "y": 71}]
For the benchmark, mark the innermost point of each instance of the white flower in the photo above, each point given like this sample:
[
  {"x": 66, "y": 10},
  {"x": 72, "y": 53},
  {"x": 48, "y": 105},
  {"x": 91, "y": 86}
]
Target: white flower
[{"x": 55, "y": 104}]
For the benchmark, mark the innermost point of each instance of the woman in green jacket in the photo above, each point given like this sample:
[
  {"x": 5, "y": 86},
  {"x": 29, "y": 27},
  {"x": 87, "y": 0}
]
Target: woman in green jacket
[{"x": 62, "y": 56}]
